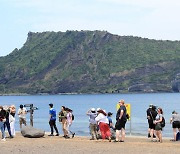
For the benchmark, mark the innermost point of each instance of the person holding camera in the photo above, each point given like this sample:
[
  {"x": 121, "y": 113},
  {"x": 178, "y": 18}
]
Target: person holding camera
[
  {"x": 92, "y": 123},
  {"x": 22, "y": 115}
]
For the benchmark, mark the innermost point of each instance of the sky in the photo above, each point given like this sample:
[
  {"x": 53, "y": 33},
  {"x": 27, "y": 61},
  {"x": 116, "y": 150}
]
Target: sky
[{"x": 153, "y": 19}]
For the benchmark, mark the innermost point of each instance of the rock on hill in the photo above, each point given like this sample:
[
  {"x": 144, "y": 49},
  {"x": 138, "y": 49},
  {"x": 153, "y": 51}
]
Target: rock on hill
[{"x": 90, "y": 62}]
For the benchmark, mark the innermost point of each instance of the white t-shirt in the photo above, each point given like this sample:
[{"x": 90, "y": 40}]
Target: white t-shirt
[
  {"x": 22, "y": 112},
  {"x": 102, "y": 118}
]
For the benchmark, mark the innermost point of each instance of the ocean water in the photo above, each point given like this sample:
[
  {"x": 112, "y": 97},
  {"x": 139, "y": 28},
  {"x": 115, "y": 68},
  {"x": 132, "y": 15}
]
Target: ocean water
[{"x": 80, "y": 104}]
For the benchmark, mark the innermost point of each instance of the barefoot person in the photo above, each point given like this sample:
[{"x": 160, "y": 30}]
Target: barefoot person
[{"x": 120, "y": 122}]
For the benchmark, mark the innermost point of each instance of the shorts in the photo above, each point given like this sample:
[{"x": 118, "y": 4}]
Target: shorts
[
  {"x": 151, "y": 125},
  {"x": 120, "y": 124},
  {"x": 176, "y": 124},
  {"x": 158, "y": 126},
  {"x": 22, "y": 121}
]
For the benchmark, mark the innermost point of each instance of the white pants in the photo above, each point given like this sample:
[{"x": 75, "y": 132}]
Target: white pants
[{"x": 12, "y": 123}]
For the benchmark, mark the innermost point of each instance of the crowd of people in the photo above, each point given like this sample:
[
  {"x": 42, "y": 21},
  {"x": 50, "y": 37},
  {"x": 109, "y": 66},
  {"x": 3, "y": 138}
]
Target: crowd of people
[
  {"x": 65, "y": 118},
  {"x": 100, "y": 122},
  {"x": 156, "y": 123}
]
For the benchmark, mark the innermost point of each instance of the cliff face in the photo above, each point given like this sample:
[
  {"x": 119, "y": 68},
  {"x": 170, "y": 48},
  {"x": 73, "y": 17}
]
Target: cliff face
[{"x": 90, "y": 62}]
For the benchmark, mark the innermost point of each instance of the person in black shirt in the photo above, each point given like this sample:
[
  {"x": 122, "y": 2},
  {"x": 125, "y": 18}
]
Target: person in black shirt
[
  {"x": 7, "y": 123},
  {"x": 151, "y": 115},
  {"x": 120, "y": 122},
  {"x": 2, "y": 120}
]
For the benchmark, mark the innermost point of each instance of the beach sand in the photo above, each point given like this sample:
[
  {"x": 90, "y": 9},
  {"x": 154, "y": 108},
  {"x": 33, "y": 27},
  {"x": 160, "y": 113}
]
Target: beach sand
[{"x": 82, "y": 145}]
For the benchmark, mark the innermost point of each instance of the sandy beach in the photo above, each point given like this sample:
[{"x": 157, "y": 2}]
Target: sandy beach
[{"x": 56, "y": 145}]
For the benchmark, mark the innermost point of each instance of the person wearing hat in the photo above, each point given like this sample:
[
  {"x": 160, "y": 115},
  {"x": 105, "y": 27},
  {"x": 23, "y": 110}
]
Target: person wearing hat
[
  {"x": 151, "y": 115},
  {"x": 103, "y": 125},
  {"x": 175, "y": 120},
  {"x": 110, "y": 120},
  {"x": 22, "y": 115},
  {"x": 52, "y": 120},
  {"x": 92, "y": 123}
]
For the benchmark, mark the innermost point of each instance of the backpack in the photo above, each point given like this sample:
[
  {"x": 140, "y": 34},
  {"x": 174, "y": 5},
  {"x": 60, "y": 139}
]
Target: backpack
[
  {"x": 72, "y": 116},
  {"x": 163, "y": 122},
  {"x": 127, "y": 116},
  {"x": 178, "y": 136}
]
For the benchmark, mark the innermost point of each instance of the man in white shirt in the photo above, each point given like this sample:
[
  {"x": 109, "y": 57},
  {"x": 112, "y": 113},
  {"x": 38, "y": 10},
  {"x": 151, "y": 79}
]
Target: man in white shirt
[{"x": 22, "y": 115}]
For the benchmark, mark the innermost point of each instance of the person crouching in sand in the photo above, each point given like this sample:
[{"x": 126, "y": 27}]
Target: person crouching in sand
[{"x": 103, "y": 123}]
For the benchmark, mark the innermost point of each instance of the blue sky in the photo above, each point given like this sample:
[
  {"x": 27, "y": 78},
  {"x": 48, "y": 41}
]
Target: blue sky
[{"x": 154, "y": 19}]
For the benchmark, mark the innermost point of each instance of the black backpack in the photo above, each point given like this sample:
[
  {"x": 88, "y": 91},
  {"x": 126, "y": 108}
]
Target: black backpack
[
  {"x": 72, "y": 116},
  {"x": 178, "y": 136},
  {"x": 163, "y": 122}
]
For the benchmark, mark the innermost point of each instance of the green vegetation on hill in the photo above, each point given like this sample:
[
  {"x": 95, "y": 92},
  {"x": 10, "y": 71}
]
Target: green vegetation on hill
[{"x": 89, "y": 62}]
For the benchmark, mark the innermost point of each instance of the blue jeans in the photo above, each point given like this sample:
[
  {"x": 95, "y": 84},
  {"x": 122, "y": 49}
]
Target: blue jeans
[
  {"x": 2, "y": 129},
  {"x": 7, "y": 124}
]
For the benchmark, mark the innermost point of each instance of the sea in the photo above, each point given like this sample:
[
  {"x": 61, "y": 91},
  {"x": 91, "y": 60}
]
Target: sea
[{"x": 81, "y": 103}]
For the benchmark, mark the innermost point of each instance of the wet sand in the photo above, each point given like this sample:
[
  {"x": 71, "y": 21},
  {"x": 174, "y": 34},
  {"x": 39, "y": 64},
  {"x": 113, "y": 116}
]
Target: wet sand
[{"x": 82, "y": 145}]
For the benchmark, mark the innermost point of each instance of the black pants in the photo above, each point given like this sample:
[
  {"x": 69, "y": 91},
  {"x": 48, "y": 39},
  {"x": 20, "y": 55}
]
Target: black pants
[
  {"x": 52, "y": 124},
  {"x": 7, "y": 124}
]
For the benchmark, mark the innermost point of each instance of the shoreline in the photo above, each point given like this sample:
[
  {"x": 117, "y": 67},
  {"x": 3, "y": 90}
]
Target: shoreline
[
  {"x": 83, "y": 145},
  {"x": 47, "y": 94}
]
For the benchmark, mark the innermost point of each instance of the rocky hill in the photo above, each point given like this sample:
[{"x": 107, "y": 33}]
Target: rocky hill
[{"x": 90, "y": 62}]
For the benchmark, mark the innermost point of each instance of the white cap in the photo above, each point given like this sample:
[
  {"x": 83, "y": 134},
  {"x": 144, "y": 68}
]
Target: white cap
[
  {"x": 93, "y": 109},
  {"x": 98, "y": 109}
]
